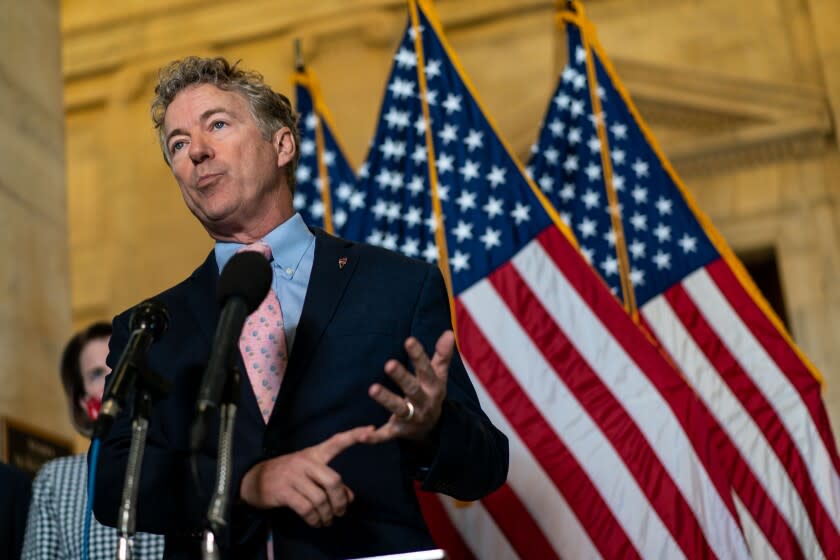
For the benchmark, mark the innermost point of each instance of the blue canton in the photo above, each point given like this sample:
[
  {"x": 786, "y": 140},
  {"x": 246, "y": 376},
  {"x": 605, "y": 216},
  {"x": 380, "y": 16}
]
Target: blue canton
[
  {"x": 664, "y": 240},
  {"x": 489, "y": 210},
  {"x": 308, "y": 199}
]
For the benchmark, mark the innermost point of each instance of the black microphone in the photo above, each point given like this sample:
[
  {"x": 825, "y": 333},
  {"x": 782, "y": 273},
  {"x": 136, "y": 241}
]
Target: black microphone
[
  {"x": 243, "y": 285},
  {"x": 148, "y": 322}
]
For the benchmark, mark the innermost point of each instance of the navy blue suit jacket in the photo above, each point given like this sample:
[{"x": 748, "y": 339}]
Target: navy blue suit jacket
[{"x": 355, "y": 317}]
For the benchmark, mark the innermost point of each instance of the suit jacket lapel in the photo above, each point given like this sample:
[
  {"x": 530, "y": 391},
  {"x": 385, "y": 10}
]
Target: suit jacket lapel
[
  {"x": 327, "y": 284},
  {"x": 201, "y": 298}
]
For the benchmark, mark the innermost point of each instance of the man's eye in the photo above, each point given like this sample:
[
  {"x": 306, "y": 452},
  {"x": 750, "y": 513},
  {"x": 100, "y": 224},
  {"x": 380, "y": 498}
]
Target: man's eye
[
  {"x": 219, "y": 125},
  {"x": 177, "y": 145}
]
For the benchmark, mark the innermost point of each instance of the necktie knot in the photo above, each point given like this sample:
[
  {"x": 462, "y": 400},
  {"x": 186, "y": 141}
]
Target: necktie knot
[{"x": 258, "y": 247}]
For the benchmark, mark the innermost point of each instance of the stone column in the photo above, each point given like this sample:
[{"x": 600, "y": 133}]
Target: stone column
[
  {"x": 826, "y": 317},
  {"x": 34, "y": 287}
]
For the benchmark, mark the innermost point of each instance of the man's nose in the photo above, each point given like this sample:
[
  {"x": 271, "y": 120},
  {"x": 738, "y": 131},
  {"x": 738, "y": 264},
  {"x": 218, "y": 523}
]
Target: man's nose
[{"x": 200, "y": 149}]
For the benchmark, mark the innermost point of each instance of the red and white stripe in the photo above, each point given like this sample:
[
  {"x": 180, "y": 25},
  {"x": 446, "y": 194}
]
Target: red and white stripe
[
  {"x": 768, "y": 403},
  {"x": 609, "y": 447}
]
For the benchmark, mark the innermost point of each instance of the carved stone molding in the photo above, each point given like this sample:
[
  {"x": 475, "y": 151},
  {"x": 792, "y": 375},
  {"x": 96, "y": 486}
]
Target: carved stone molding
[
  {"x": 97, "y": 45},
  {"x": 714, "y": 122},
  {"x": 706, "y": 122}
]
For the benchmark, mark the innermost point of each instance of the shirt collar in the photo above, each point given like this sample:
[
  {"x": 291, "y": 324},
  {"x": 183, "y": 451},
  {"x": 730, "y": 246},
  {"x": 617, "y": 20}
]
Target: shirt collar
[{"x": 288, "y": 241}]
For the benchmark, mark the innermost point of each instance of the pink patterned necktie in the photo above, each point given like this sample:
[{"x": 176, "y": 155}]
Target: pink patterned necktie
[{"x": 263, "y": 344}]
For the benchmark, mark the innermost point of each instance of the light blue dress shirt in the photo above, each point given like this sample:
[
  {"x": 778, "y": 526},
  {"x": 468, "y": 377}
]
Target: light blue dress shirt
[{"x": 293, "y": 252}]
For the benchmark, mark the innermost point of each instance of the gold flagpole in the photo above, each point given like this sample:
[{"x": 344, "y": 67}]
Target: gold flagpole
[
  {"x": 629, "y": 296},
  {"x": 309, "y": 80},
  {"x": 437, "y": 210}
]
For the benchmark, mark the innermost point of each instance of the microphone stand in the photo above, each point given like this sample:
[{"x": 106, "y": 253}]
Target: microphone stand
[
  {"x": 224, "y": 467},
  {"x": 149, "y": 385}
]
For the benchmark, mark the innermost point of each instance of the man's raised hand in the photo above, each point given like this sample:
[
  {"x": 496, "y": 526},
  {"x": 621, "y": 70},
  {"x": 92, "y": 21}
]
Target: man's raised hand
[{"x": 414, "y": 415}]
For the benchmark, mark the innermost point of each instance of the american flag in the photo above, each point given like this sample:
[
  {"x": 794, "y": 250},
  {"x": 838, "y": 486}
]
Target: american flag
[
  {"x": 612, "y": 455},
  {"x": 322, "y": 162},
  {"x": 695, "y": 298}
]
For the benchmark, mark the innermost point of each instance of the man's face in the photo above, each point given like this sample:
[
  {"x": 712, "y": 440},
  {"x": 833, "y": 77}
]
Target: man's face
[{"x": 231, "y": 178}]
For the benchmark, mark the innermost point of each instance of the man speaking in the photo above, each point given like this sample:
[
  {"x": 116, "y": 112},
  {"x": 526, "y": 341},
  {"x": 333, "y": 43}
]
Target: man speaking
[{"x": 352, "y": 387}]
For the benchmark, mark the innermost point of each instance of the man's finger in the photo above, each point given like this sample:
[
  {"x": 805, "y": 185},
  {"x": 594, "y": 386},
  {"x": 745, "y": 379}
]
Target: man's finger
[
  {"x": 386, "y": 432},
  {"x": 333, "y": 490},
  {"x": 340, "y": 504},
  {"x": 444, "y": 349},
  {"x": 306, "y": 499},
  {"x": 408, "y": 382},
  {"x": 388, "y": 399},
  {"x": 327, "y": 450},
  {"x": 420, "y": 360}
]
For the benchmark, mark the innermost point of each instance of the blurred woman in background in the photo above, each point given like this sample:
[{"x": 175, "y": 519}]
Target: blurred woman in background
[{"x": 56, "y": 515}]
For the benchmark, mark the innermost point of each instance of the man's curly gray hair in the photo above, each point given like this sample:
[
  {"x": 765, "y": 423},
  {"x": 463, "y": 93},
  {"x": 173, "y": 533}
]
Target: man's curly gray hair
[{"x": 271, "y": 110}]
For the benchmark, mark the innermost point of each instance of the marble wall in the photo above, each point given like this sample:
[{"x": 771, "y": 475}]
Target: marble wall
[{"x": 35, "y": 304}]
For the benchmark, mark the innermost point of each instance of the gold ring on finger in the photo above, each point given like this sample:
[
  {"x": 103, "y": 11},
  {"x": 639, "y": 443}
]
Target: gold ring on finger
[{"x": 410, "y": 414}]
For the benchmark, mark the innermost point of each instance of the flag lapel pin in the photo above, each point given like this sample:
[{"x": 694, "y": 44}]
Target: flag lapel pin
[{"x": 341, "y": 262}]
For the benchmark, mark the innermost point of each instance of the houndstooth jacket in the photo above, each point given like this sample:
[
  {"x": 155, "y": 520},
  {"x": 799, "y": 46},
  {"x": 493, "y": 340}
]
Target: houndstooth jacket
[{"x": 56, "y": 516}]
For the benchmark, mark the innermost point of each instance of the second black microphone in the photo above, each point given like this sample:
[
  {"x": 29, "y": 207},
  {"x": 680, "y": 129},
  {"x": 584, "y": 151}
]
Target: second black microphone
[{"x": 243, "y": 285}]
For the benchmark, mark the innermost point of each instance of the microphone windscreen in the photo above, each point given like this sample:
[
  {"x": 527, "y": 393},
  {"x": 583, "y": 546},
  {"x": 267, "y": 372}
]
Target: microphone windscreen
[
  {"x": 248, "y": 276},
  {"x": 151, "y": 316}
]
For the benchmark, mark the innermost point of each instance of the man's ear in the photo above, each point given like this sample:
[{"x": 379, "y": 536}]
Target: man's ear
[{"x": 284, "y": 143}]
